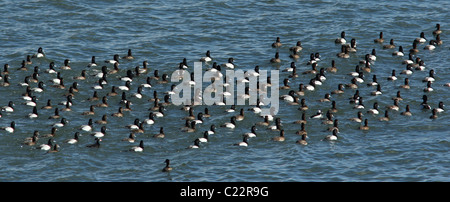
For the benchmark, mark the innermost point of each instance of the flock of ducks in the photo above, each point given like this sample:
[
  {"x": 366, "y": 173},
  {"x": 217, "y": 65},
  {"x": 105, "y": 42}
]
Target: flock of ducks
[{"x": 33, "y": 86}]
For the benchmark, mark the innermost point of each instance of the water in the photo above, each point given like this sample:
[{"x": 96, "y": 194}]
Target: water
[{"x": 163, "y": 33}]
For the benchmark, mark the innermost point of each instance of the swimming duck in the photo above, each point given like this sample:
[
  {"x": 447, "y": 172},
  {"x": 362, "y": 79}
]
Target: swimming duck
[
  {"x": 431, "y": 46},
  {"x": 139, "y": 148},
  {"x": 100, "y": 133},
  {"x": 365, "y": 126},
  {"x": 374, "y": 110},
  {"x": 380, "y": 39},
  {"x": 428, "y": 88},
  {"x": 66, "y": 65},
  {"x": 231, "y": 124},
  {"x": 207, "y": 58},
  {"x": 47, "y": 146},
  {"x": 92, "y": 63},
  {"x": 167, "y": 168},
  {"x": 395, "y": 106},
  {"x": 399, "y": 52},
  {"x": 302, "y": 141},
  {"x": 407, "y": 112},
  {"x": 341, "y": 40},
  {"x": 332, "y": 137},
  {"x": 40, "y": 53},
  {"x": 244, "y": 142},
  {"x": 96, "y": 144},
  {"x": 74, "y": 139},
  {"x": 114, "y": 60},
  {"x": 440, "y": 107},
  {"x": 385, "y": 117},
  {"x": 196, "y": 144},
  {"x": 390, "y": 45},
  {"x": 276, "y": 59},
  {"x": 160, "y": 134},
  {"x": 392, "y": 77},
  {"x": 434, "y": 114},
  {"x": 333, "y": 67},
  {"x": 33, "y": 114},
  {"x": 277, "y": 43},
  {"x": 298, "y": 47},
  {"x": 129, "y": 55},
  {"x": 280, "y": 138},
  {"x": 11, "y": 128},
  {"x": 438, "y": 29},
  {"x": 421, "y": 39},
  {"x": 131, "y": 138}
]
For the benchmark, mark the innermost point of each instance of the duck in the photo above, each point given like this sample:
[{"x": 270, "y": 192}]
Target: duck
[
  {"x": 240, "y": 116},
  {"x": 103, "y": 120},
  {"x": 165, "y": 79},
  {"x": 39, "y": 88},
  {"x": 6, "y": 82},
  {"x": 288, "y": 97},
  {"x": 428, "y": 88},
  {"x": 341, "y": 40},
  {"x": 302, "y": 141},
  {"x": 160, "y": 112},
  {"x": 150, "y": 120},
  {"x": 276, "y": 59},
  {"x": 385, "y": 117},
  {"x": 352, "y": 47},
  {"x": 340, "y": 89},
  {"x": 353, "y": 84},
  {"x": 294, "y": 55},
  {"x": 114, "y": 60},
  {"x": 129, "y": 77},
  {"x": 407, "y": 112},
  {"x": 244, "y": 142},
  {"x": 88, "y": 127},
  {"x": 374, "y": 110},
  {"x": 277, "y": 43},
  {"x": 327, "y": 98},
  {"x": 160, "y": 134},
  {"x": 421, "y": 39},
  {"x": 291, "y": 68},
  {"x": 32, "y": 140},
  {"x": 139, "y": 148},
  {"x": 318, "y": 115},
  {"x": 138, "y": 94},
  {"x": 190, "y": 129},
  {"x": 212, "y": 130},
  {"x": 90, "y": 112},
  {"x": 380, "y": 39},
  {"x": 391, "y": 45},
  {"x": 333, "y": 67},
  {"x": 252, "y": 133},
  {"x": 420, "y": 66},
  {"x": 207, "y": 57},
  {"x": 60, "y": 124},
  {"x": 335, "y": 125},
  {"x": 344, "y": 52},
  {"x": 229, "y": 64},
  {"x": 374, "y": 81},
  {"x": 365, "y": 126},
  {"x": 440, "y": 107},
  {"x": 399, "y": 52},
  {"x": 96, "y": 144},
  {"x": 125, "y": 87},
  {"x": 377, "y": 92},
  {"x": 47, "y": 146},
  {"x": 410, "y": 59},
  {"x": 100, "y": 133},
  {"x": 408, "y": 70},
  {"x": 196, "y": 144},
  {"x": 434, "y": 114},
  {"x": 392, "y": 77},
  {"x": 280, "y": 138},
  {"x": 73, "y": 140},
  {"x": 359, "y": 103},
  {"x": 429, "y": 78},
  {"x": 431, "y": 46},
  {"x": 131, "y": 138},
  {"x": 397, "y": 96},
  {"x": 394, "y": 106},
  {"x": 298, "y": 47},
  {"x": 129, "y": 55},
  {"x": 199, "y": 119},
  {"x": 424, "y": 103},
  {"x": 303, "y": 106},
  {"x": 373, "y": 55},
  {"x": 414, "y": 49},
  {"x": 40, "y": 53},
  {"x": 311, "y": 86},
  {"x": 11, "y": 128},
  {"x": 332, "y": 137},
  {"x": 438, "y": 29},
  {"x": 302, "y": 130},
  {"x": 300, "y": 91},
  {"x": 406, "y": 85},
  {"x": 357, "y": 119},
  {"x": 167, "y": 168},
  {"x": 204, "y": 138},
  {"x": 119, "y": 113},
  {"x": 231, "y": 124},
  {"x": 92, "y": 63},
  {"x": 33, "y": 114},
  {"x": 9, "y": 108},
  {"x": 66, "y": 65}
]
